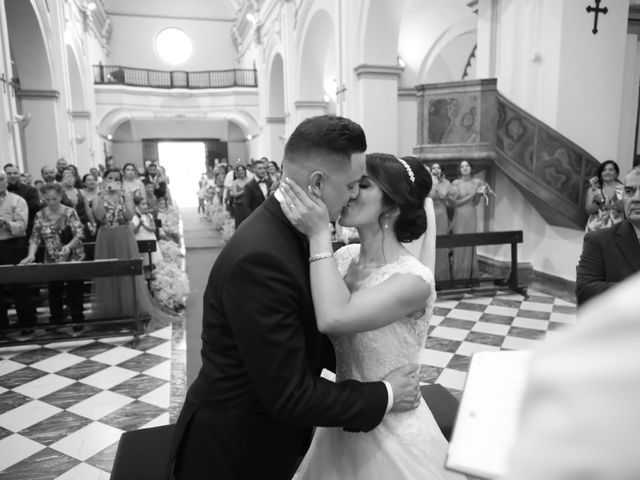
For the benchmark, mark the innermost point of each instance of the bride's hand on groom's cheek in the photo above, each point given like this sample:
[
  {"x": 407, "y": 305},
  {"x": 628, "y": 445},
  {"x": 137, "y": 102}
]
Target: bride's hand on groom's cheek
[
  {"x": 406, "y": 387},
  {"x": 307, "y": 212}
]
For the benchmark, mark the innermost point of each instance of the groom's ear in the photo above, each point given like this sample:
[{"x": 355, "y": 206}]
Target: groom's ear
[{"x": 316, "y": 182}]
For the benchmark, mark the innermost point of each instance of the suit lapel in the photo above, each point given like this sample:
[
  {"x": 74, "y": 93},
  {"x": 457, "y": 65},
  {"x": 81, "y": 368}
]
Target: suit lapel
[{"x": 628, "y": 244}]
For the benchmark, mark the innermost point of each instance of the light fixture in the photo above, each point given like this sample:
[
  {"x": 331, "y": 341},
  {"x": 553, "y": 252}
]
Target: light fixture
[
  {"x": 109, "y": 137},
  {"x": 326, "y": 98},
  {"x": 401, "y": 62},
  {"x": 252, "y": 17},
  {"x": 249, "y": 137},
  {"x": 91, "y": 6},
  {"x": 22, "y": 120},
  {"x": 173, "y": 46}
]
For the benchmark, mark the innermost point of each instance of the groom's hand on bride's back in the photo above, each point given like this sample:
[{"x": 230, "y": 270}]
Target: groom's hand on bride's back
[{"x": 406, "y": 387}]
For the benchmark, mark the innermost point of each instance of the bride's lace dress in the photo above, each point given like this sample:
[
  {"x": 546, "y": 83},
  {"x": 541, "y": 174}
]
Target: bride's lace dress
[{"x": 405, "y": 445}]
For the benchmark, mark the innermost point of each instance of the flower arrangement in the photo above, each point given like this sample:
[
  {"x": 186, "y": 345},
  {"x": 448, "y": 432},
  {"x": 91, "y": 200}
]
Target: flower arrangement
[
  {"x": 485, "y": 190},
  {"x": 227, "y": 230},
  {"x": 222, "y": 222},
  {"x": 170, "y": 286},
  {"x": 170, "y": 229},
  {"x": 171, "y": 252}
]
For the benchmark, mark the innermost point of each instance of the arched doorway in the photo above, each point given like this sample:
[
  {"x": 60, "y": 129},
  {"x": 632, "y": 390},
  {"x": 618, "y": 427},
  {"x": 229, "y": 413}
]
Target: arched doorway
[{"x": 36, "y": 97}]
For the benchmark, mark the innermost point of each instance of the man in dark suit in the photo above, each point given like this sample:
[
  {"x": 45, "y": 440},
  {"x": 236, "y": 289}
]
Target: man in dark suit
[
  {"x": 257, "y": 190},
  {"x": 29, "y": 193},
  {"x": 612, "y": 254},
  {"x": 250, "y": 411},
  {"x": 152, "y": 175}
]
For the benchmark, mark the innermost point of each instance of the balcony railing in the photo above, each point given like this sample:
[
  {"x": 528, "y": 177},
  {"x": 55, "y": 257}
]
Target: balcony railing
[{"x": 142, "y": 77}]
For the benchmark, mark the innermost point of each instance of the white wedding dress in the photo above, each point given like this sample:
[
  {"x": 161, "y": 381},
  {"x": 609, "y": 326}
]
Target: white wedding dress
[{"x": 405, "y": 445}]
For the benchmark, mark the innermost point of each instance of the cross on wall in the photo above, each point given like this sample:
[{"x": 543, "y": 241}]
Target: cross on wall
[{"x": 597, "y": 10}]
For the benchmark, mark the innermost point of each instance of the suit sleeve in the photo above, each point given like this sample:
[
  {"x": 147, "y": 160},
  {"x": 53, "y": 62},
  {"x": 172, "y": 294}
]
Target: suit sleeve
[
  {"x": 269, "y": 334},
  {"x": 591, "y": 270},
  {"x": 249, "y": 198}
]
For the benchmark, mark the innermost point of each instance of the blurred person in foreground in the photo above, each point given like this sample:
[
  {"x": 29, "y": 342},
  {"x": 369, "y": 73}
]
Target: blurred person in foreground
[{"x": 580, "y": 417}]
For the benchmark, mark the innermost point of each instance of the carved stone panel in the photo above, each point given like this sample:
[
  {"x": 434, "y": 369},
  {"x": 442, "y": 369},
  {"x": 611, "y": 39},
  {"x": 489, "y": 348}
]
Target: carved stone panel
[
  {"x": 561, "y": 167},
  {"x": 454, "y": 120},
  {"x": 516, "y": 136}
]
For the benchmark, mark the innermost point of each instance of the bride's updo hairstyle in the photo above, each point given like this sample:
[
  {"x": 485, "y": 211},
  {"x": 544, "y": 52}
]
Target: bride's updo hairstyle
[{"x": 401, "y": 192}]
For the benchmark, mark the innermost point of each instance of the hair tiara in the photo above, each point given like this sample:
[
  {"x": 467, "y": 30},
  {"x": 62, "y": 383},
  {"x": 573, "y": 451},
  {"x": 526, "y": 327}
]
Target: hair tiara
[{"x": 406, "y": 166}]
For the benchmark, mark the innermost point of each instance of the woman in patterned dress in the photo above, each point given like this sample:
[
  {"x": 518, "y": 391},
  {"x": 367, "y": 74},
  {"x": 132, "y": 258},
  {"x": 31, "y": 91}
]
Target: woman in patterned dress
[{"x": 58, "y": 227}]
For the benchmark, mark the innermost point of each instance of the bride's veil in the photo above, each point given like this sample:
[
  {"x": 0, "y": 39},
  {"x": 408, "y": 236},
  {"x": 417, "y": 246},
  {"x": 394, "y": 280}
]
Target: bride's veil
[{"x": 424, "y": 248}]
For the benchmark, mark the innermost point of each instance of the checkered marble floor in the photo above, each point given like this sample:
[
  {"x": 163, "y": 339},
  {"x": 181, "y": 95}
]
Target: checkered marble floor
[
  {"x": 63, "y": 406},
  {"x": 505, "y": 321}
]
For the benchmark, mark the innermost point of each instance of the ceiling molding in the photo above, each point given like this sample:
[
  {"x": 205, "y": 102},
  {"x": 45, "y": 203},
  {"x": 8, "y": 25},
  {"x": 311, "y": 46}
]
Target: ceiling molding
[{"x": 169, "y": 17}]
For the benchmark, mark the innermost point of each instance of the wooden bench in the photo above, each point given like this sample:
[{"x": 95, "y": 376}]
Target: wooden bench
[
  {"x": 37, "y": 273},
  {"x": 512, "y": 237},
  {"x": 144, "y": 246}
]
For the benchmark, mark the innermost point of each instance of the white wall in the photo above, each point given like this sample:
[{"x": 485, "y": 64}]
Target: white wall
[
  {"x": 552, "y": 250},
  {"x": 407, "y": 124},
  {"x": 132, "y": 43},
  {"x": 629, "y": 105},
  {"x": 547, "y": 61},
  {"x": 591, "y": 77}
]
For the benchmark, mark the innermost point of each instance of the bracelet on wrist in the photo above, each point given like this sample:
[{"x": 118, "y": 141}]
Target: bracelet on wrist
[{"x": 320, "y": 256}]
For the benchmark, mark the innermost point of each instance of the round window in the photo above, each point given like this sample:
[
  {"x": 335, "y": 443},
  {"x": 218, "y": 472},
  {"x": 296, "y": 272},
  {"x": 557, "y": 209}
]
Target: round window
[{"x": 173, "y": 46}]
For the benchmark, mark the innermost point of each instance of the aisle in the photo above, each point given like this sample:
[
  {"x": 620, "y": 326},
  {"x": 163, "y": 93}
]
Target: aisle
[{"x": 203, "y": 246}]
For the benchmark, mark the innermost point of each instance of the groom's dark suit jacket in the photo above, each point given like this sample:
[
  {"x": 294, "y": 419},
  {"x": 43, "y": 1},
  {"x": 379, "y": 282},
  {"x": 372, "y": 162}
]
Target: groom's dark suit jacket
[
  {"x": 608, "y": 257},
  {"x": 250, "y": 410},
  {"x": 253, "y": 196}
]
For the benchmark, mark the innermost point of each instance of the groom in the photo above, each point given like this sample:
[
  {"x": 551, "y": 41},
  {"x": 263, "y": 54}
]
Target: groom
[{"x": 250, "y": 411}]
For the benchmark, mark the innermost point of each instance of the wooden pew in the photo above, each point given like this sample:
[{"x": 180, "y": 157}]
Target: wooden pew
[
  {"x": 512, "y": 237},
  {"x": 144, "y": 246},
  {"x": 37, "y": 273}
]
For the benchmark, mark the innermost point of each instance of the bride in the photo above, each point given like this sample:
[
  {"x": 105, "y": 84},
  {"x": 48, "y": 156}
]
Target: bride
[{"x": 375, "y": 301}]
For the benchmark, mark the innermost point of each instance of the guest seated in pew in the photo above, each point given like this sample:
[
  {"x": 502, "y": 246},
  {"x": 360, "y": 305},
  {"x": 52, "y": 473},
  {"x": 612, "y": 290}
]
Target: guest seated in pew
[
  {"x": 58, "y": 227},
  {"x": 119, "y": 296},
  {"x": 14, "y": 215}
]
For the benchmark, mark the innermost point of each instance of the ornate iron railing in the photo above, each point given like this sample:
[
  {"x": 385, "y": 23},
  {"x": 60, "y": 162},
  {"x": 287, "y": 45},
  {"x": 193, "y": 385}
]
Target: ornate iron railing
[{"x": 143, "y": 77}]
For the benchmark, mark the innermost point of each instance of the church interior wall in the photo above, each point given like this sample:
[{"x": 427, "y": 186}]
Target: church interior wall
[
  {"x": 407, "y": 123},
  {"x": 591, "y": 78},
  {"x": 629, "y": 105},
  {"x": 212, "y": 46},
  {"x": 549, "y": 249}
]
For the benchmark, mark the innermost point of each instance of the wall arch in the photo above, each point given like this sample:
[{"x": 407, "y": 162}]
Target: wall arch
[
  {"x": 29, "y": 39},
  {"x": 378, "y": 33},
  {"x": 451, "y": 49},
  {"x": 316, "y": 61},
  {"x": 276, "y": 98}
]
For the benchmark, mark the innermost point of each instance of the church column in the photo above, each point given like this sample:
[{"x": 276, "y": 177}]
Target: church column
[
  {"x": 378, "y": 90},
  {"x": 41, "y": 135},
  {"x": 82, "y": 129},
  {"x": 310, "y": 108},
  {"x": 274, "y": 130}
]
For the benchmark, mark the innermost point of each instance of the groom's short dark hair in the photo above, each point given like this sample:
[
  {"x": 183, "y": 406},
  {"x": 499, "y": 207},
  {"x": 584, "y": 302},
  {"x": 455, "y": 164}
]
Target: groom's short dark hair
[{"x": 325, "y": 135}]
